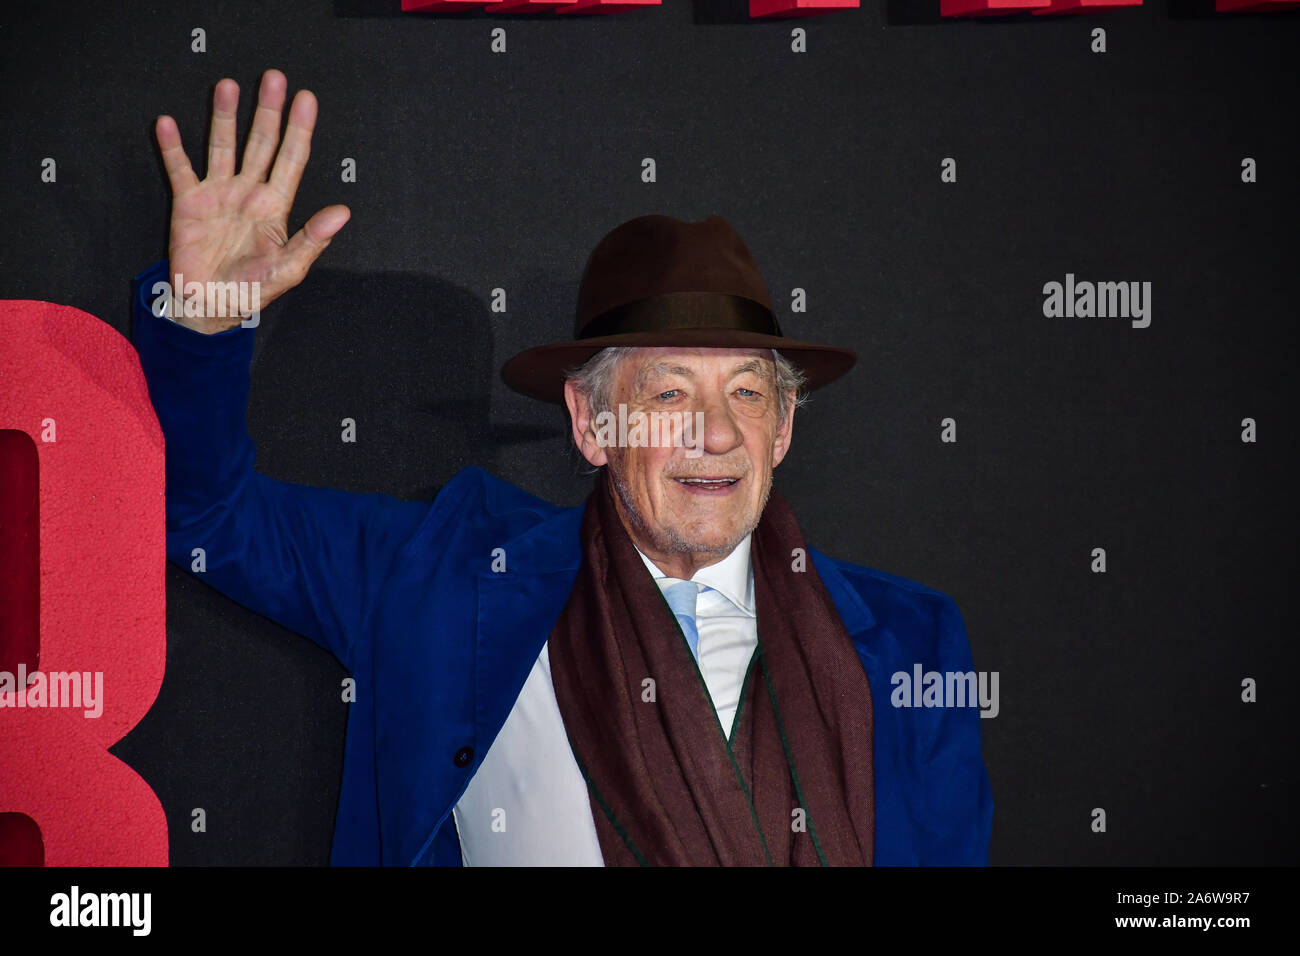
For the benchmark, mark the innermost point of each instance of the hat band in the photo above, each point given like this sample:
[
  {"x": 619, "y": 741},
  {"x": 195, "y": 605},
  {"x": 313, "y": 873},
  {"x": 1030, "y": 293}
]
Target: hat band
[{"x": 684, "y": 310}]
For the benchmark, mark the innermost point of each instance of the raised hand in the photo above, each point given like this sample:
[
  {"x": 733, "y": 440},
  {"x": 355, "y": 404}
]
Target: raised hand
[{"x": 232, "y": 227}]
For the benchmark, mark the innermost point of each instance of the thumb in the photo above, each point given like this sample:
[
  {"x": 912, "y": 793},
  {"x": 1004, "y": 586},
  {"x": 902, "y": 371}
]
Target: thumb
[{"x": 310, "y": 241}]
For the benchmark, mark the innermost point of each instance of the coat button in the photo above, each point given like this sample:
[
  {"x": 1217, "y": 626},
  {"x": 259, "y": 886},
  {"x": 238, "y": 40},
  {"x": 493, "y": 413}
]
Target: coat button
[{"x": 464, "y": 757}]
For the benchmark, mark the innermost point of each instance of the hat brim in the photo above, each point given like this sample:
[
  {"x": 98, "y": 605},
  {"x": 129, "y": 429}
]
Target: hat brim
[{"x": 539, "y": 372}]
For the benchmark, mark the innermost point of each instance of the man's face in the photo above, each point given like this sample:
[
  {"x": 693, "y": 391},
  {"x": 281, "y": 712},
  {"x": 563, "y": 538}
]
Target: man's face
[{"x": 673, "y": 516}]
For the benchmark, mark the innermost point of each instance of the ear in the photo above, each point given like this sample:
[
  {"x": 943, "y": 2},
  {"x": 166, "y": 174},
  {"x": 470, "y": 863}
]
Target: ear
[
  {"x": 584, "y": 432},
  {"x": 784, "y": 431}
]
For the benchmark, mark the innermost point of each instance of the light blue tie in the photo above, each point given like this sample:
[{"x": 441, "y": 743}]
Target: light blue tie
[{"x": 681, "y": 596}]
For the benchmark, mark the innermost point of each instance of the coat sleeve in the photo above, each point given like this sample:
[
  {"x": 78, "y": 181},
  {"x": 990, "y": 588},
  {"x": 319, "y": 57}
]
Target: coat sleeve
[
  {"x": 960, "y": 811},
  {"x": 312, "y": 559}
]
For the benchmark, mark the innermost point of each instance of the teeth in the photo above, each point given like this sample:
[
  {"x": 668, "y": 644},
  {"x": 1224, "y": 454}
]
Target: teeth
[{"x": 710, "y": 481}]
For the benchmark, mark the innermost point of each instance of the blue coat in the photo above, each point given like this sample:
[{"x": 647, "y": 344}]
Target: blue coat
[{"x": 403, "y": 594}]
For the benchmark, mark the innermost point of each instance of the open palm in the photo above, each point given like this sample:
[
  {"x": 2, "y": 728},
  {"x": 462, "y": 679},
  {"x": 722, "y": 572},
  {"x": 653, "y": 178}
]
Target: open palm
[{"x": 233, "y": 227}]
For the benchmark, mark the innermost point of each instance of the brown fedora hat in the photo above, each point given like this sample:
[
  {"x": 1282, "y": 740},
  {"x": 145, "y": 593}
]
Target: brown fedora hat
[{"x": 656, "y": 281}]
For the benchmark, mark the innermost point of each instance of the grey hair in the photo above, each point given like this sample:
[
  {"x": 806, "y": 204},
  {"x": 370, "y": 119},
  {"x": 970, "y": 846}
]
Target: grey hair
[{"x": 595, "y": 379}]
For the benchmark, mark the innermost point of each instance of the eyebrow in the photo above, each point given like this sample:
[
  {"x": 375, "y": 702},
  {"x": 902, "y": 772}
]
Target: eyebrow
[{"x": 656, "y": 369}]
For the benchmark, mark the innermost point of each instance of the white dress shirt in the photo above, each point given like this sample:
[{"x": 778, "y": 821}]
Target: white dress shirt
[{"x": 527, "y": 804}]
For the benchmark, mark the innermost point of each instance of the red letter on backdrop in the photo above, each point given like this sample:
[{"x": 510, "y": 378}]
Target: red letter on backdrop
[
  {"x": 987, "y": 8},
  {"x": 81, "y": 463},
  {"x": 1085, "y": 6}
]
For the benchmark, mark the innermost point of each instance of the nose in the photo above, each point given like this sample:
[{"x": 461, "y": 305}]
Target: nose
[{"x": 721, "y": 432}]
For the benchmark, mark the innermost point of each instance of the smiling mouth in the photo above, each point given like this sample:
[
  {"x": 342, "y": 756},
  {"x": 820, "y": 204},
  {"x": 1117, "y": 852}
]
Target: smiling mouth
[{"x": 707, "y": 483}]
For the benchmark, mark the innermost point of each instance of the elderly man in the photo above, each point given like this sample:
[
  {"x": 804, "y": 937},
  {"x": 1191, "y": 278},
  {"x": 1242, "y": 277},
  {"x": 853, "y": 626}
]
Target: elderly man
[{"x": 668, "y": 675}]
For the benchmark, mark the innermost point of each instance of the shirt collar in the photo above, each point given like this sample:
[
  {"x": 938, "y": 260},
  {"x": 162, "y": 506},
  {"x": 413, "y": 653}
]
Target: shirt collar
[{"x": 732, "y": 577}]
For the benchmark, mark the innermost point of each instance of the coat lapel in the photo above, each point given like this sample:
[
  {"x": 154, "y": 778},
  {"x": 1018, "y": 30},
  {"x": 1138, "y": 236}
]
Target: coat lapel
[
  {"x": 855, "y": 614},
  {"x": 517, "y": 609}
]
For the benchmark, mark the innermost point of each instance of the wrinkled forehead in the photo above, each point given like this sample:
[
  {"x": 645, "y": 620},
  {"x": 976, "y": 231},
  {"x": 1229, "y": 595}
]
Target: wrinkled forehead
[{"x": 640, "y": 365}]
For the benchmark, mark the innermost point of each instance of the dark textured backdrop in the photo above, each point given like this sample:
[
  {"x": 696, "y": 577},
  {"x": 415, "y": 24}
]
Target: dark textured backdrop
[{"x": 478, "y": 171}]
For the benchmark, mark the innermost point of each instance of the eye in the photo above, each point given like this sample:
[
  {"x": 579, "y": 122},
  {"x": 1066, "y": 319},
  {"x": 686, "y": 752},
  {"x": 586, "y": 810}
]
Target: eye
[
  {"x": 746, "y": 392},
  {"x": 668, "y": 395}
]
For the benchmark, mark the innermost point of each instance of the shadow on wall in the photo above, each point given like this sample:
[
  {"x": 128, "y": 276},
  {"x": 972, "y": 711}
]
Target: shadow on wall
[{"x": 402, "y": 364}]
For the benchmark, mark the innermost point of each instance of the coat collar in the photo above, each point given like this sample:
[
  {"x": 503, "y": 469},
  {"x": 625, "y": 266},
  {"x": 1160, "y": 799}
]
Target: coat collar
[
  {"x": 855, "y": 614},
  {"x": 555, "y": 546}
]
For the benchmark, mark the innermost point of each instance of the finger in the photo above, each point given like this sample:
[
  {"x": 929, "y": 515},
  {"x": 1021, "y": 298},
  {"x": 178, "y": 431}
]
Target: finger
[
  {"x": 265, "y": 133},
  {"x": 221, "y": 139},
  {"x": 296, "y": 146},
  {"x": 179, "y": 172},
  {"x": 310, "y": 241}
]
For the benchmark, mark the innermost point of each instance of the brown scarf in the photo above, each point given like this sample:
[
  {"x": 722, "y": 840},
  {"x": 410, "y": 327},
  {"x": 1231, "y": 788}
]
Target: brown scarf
[{"x": 794, "y": 786}]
